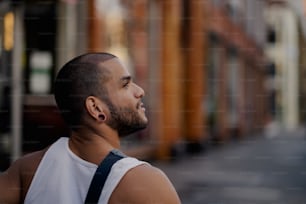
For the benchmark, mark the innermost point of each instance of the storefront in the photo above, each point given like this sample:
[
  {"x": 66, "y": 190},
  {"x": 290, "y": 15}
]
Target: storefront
[
  {"x": 6, "y": 47},
  {"x": 56, "y": 31}
]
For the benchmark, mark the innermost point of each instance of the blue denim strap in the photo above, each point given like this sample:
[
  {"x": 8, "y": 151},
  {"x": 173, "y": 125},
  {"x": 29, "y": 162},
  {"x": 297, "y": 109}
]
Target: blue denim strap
[{"x": 98, "y": 180}]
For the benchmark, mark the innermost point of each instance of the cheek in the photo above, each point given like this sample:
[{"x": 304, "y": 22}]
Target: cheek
[{"x": 124, "y": 99}]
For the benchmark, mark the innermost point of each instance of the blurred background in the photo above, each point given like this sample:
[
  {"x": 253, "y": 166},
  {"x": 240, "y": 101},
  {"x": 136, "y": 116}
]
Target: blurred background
[{"x": 214, "y": 71}]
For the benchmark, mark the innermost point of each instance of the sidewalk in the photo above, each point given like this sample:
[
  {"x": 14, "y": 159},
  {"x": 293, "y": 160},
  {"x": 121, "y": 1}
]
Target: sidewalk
[{"x": 257, "y": 169}]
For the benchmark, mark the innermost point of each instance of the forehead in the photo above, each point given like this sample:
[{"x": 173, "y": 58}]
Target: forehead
[{"x": 115, "y": 68}]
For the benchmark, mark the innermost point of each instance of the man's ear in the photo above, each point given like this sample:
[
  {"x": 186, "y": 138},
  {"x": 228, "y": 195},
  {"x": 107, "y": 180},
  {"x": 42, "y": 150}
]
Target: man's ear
[{"x": 94, "y": 107}]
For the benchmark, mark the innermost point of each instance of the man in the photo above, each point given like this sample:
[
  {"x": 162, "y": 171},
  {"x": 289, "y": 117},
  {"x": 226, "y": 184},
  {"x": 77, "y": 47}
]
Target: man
[{"x": 100, "y": 102}]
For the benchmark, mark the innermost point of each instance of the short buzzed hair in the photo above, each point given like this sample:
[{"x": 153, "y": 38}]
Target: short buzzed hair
[{"x": 77, "y": 79}]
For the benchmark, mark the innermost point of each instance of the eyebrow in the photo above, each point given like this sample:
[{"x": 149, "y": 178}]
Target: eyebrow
[{"x": 126, "y": 78}]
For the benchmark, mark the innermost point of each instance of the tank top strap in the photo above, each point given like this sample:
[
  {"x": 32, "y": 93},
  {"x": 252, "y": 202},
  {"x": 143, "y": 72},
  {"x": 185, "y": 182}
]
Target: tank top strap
[{"x": 119, "y": 169}]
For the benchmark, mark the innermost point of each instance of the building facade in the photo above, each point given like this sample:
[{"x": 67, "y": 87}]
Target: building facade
[
  {"x": 201, "y": 63},
  {"x": 282, "y": 50}
]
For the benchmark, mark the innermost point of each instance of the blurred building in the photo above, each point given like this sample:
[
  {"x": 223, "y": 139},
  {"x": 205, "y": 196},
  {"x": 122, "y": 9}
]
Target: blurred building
[
  {"x": 299, "y": 7},
  {"x": 285, "y": 45},
  {"x": 6, "y": 45},
  {"x": 201, "y": 64},
  {"x": 236, "y": 64}
]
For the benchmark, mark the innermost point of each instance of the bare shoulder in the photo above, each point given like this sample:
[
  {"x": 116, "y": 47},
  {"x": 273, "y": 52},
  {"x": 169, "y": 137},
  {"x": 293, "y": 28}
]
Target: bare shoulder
[
  {"x": 28, "y": 166},
  {"x": 31, "y": 160},
  {"x": 145, "y": 184},
  {"x": 14, "y": 182}
]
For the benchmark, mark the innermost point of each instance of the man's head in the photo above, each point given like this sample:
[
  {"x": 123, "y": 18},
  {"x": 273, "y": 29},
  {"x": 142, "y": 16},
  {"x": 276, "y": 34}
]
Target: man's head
[{"x": 96, "y": 87}]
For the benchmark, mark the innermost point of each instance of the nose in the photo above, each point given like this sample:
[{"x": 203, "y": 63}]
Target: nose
[{"x": 139, "y": 92}]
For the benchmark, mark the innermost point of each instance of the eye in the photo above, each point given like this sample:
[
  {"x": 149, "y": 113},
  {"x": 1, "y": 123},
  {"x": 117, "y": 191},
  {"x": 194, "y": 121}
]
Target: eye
[
  {"x": 126, "y": 84},
  {"x": 125, "y": 81}
]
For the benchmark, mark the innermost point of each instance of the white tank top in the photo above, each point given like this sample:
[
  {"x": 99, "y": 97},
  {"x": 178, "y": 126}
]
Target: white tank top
[{"x": 64, "y": 178}]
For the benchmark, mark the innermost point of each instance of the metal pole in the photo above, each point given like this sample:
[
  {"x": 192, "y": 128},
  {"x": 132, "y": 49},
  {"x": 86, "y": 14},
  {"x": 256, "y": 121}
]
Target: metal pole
[{"x": 17, "y": 93}]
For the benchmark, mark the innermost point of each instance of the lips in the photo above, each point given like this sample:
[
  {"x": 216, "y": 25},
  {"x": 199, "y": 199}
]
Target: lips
[{"x": 140, "y": 105}]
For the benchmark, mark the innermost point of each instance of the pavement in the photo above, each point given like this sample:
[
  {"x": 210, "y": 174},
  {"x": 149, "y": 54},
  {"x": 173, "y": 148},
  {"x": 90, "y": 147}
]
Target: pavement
[{"x": 267, "y": 168}]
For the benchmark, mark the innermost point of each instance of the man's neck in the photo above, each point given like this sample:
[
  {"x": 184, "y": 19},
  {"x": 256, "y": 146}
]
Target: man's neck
[{"x": 92, "y": 147}]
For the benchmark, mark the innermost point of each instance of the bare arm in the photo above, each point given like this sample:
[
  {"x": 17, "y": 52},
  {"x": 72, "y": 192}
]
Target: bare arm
[
  {"x": 10, "y": 184},
  {"x": 15, "y": 182},
  {"x": 145, "y": 185}
]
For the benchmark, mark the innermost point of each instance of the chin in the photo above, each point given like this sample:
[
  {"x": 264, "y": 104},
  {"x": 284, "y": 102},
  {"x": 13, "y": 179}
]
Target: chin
[{"x": 144, "y": 118}]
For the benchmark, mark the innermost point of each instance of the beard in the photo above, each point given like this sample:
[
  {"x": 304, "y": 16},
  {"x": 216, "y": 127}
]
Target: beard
[{"x": 125, "y": 120}]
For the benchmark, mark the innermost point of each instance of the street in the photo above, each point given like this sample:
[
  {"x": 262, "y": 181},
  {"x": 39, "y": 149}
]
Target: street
[{"x": 255, "y": 170}]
